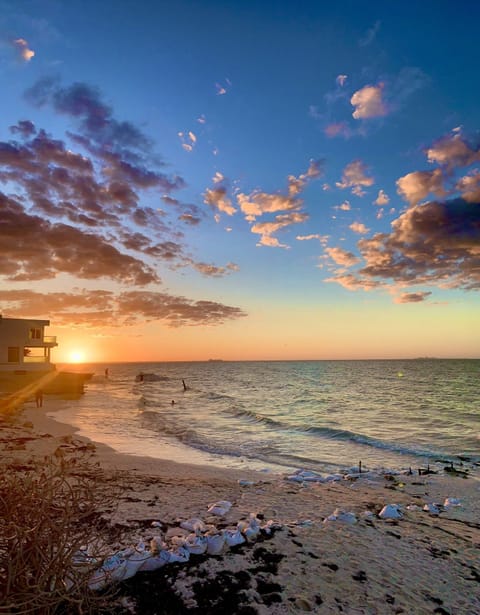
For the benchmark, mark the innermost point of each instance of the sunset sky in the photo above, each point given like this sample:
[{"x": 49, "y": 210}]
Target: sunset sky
[{"x": 242, "y": 180}]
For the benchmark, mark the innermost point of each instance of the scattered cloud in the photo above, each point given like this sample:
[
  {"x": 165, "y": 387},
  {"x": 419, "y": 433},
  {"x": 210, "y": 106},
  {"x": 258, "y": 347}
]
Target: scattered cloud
[
  {"x": 341, "y": 80},
  {"x": 321, "y": 238},
  {"x": 355, "y": 176},
  {"x": 188, "y": 140},
  {"x": 342, "y": 257},
  {"x": 267, "y": 229},
  {"x": 23, "y": 50},
  {"x": 453, "y": 151},
  {"x": 338, "y": 129},
  {"x": 217, "y": 199},
  {"x": 469, "y": 186},
  {"x": 370, "y": 34},
  {"x": 345, "y": 206},
  {"x": 416, "y": 186},
  {"x": 359, "y": 227},
  {"x": 101, "y": 308},
  {"x": 368, "y": 102},
  {"x": 435, "y": 243},
  {"x": 412, "y": 297},
  {"x": 382, "y": 198}
]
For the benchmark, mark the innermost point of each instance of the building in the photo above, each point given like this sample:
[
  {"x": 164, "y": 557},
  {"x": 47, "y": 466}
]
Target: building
[{"x": 24, "y": 347}]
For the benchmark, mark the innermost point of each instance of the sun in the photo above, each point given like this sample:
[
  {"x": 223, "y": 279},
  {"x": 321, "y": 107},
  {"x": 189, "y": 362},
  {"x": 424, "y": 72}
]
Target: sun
[{"x": 77, "y": 356}]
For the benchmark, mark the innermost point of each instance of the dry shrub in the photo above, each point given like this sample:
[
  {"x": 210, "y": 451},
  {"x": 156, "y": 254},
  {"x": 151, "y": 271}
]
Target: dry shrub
[{"x": 47, "y": 514}]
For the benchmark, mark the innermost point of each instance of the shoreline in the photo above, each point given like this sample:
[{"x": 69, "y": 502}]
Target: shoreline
[{"x": 421, "y": 563}]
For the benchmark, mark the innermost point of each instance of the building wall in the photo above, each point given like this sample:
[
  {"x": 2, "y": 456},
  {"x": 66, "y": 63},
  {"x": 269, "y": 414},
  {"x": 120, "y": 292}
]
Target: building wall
[{"x": 16, "y": 332}]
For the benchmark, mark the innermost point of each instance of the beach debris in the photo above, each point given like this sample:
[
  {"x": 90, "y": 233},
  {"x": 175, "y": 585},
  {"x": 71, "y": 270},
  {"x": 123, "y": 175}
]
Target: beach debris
[
  {"x": 220, "y": 508},
  {"x": 342, "y": 516},
  {"x": 433, "y": 509},
  {"x": 449, "y": 502},
  {"x": 245, "y": 483},
  {"x": 390, "y": 511}
]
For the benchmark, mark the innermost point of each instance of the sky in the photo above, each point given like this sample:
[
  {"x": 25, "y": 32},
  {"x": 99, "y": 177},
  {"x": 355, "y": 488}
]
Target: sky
[{"x": 242, "y": 180}]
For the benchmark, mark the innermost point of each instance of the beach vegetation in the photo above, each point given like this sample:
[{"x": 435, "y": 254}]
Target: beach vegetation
[{"x": 53, "y": 535}]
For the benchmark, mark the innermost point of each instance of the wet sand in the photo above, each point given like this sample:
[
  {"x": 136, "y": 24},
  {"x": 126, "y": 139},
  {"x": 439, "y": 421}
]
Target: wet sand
[{"x": 420, "y": 563}]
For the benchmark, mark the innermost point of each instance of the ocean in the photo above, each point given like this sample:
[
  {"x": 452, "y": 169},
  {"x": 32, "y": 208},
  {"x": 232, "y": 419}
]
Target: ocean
[{"x": 325, "y": 416}]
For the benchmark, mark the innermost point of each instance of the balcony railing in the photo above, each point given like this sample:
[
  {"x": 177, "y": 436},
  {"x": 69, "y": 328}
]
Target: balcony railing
[
  {"x": 35, "y": 359},
  {"x": 49, "y": 339}
]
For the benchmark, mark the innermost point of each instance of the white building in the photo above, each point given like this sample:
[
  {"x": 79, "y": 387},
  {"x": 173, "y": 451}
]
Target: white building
[{"x": 24, "y": 347}]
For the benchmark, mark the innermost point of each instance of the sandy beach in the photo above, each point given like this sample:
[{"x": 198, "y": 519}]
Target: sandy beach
[{"x": 357, "y": 563}]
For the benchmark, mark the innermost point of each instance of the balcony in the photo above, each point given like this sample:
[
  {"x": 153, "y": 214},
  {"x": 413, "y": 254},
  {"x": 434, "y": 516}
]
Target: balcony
[
  {"x": 36, "y": 360},
  {"x": 50, "y": 340}
]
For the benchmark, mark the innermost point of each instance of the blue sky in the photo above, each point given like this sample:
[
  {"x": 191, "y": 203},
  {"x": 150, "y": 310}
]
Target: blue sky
[{"x": 306, "y": 171}]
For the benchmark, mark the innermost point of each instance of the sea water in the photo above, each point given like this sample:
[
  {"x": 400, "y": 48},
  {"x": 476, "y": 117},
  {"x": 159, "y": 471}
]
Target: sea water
[{"x": 319, "y": 415}]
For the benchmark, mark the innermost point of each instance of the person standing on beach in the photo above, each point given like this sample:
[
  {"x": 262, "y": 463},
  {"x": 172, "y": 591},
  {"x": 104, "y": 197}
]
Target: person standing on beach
[
  {"x": 39, "y": 398},
  {"x": 184, "y": 385},
  {"x": 106, "y": 373}
]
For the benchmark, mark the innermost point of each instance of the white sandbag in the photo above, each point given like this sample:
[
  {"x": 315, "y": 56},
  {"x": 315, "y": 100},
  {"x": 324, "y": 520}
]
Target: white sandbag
[
  {"x": 157, "y": 544},
  {"x": 432, "y": 509},
  {"x": 233, "y": 537},
  {"x": 154, "y": 562},
  {"x": 194, "y": 524},
  {"x": 390, "y": 511},
  {"x": 196, "y": 543},
  {"x": 449, "y": 502},
  {"x": 180, "y": 555},
  {"x": 220, "y": 508},
  {"x": 341, "y": 516},
  {"x": 215, "y": 543}
]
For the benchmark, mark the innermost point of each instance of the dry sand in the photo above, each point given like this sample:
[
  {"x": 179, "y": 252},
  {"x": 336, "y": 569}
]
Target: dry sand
[{"x": 419, "y": 564}]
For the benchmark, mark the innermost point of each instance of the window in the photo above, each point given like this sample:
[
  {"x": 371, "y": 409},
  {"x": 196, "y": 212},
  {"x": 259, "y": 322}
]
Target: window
[
  {"x": 35, "y": 333},
  {"x": 13, "y": 354}
]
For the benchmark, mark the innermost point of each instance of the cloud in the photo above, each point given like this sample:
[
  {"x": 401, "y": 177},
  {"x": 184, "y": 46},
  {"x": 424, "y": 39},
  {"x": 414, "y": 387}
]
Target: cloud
[
  {"x": 217, "y": 199},
  {"x": 452, "y": 151},
  {"x": 214, "y": 271},
  {"x": 368, "y": 102},
  {"x": 188, "y": 140},
  {"x": 23, "y": 50},
  {"x": 370, "y": 35},
  {"x": 412, "y": 297},
  {"x": 342, "y": 257},
  {"x": 436, "y": 244},
  {"x": 338, "y": 129},
  {"x": 267, "y": 229},
  {"x": 100, "y": 308},
  {"x": 355, "y": 176},
  {"x": 359, "y": 227},
  {"x": 25, "y": 128},
  {"x": 321, "y": 238},
  {"x": 416, "y": 186},
  {"x": 382, "y": 198},
  {"x": 469, "y": 186},
  {"x": 345, "y": 206},
  {"x": 341, "y": 80},
  {"x": 34, "y": 248},
  {"x": 259, "y": 203}
]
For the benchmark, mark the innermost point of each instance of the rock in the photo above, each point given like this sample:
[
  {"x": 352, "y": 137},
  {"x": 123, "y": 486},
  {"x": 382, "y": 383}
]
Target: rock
[{"x": 390, "y": 511}]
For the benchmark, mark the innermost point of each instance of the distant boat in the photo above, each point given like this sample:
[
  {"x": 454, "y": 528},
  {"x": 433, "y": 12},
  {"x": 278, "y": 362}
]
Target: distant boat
[{"x": 25, "y": 358}]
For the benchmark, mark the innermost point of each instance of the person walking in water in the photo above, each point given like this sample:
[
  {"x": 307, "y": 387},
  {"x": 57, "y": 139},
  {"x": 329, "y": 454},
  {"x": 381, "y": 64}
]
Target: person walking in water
[{"x": 184, "y": 385}]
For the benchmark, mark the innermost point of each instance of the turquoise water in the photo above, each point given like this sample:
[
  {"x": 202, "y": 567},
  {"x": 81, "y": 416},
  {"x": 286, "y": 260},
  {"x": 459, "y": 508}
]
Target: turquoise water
[{"x": 320, "y": 415}]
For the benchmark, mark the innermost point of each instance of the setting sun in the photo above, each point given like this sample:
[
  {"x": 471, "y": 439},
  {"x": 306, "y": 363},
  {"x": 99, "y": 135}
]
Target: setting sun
[{"x": 77, "y": 356}]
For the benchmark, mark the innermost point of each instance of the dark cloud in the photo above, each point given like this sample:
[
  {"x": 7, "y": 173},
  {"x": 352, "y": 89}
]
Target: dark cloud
[
  {"x": 99, "y": 308},
  {"x": 25, "y": 128},
  {"x": 412, "y": 297},
  {"x": 435, "y": 243},
  {"x": 33, "y": 248}
]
